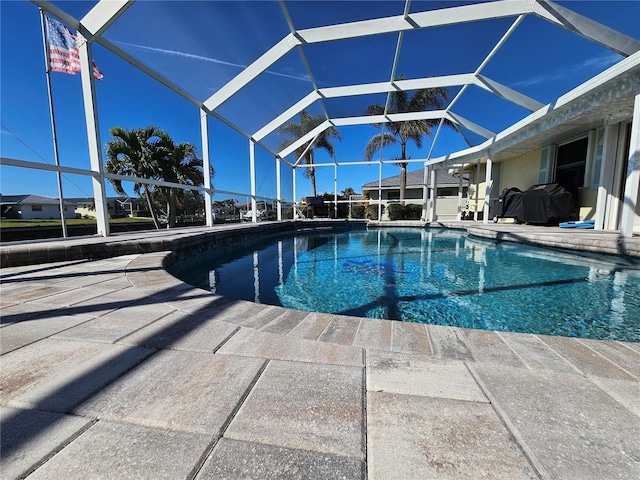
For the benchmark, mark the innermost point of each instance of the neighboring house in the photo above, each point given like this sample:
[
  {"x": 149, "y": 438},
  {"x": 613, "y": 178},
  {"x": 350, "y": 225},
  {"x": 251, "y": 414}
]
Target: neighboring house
[
  {"x": 118, "y": 207},
  {"x": 34, "y": 207},
  {"x": 448, "y": 186}
]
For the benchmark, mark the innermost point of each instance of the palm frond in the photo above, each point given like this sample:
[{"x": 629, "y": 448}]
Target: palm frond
[{"x": 376, "y": 143}]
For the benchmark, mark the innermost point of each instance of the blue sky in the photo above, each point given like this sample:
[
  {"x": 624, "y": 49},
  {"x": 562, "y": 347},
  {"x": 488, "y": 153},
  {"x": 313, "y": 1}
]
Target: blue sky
[{"x": 199, "y": 46}]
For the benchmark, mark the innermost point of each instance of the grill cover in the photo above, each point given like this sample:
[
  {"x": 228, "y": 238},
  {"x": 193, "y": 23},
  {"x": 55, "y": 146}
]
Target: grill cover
[
  {"x": 510, "y": 202},
  {"x": 547, "y": 203}
]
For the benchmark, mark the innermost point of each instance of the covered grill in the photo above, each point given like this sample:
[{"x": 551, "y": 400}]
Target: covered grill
[{"x": 546, "y": 203}]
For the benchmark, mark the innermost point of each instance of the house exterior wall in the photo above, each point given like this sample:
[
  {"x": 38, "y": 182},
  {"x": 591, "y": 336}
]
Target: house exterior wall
[
  {"x": 520, "y": 172},
  {"x": 587, "y": 199},
  {"x": 446, "y": 206},
  {"x": 477, "y": 187},
  {"x": 46, "y": 212}
]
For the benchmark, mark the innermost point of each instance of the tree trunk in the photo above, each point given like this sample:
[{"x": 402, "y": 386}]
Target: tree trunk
[
  {"x": 151, "y": 210},
  {"x": 403, "y": 171},
  {"x": 312, "y": 177},
  {"x": 171, "y": 209},
  {"x": 403, "y": 181}
]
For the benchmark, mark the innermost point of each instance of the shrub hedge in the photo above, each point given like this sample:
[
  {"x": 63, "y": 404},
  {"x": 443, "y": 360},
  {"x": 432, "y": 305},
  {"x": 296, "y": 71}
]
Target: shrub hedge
[{"x": 404, "y": 212}]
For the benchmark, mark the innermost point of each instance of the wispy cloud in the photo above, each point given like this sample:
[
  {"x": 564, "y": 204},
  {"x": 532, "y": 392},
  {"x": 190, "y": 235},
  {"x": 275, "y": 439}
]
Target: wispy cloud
[
  {"x": 192, "y": 56},
  {"x": 601, "y": 61}
]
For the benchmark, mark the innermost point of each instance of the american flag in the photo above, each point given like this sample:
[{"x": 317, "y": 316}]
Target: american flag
[{"x": 63, "y": 50}]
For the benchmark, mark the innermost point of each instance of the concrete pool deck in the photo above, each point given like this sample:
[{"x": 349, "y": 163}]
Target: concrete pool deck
[{"x": 112, "y": 368}]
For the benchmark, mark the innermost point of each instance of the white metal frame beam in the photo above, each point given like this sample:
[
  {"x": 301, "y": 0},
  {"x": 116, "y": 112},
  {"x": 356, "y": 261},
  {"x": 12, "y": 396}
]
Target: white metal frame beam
[
  {"x": 103, "y": 14},
  {"x": 267, "y": 59},
  {"x": 590, "y": 29},
  {"x": 395, "y": 24},
  {"x": 466, "y": 79}
]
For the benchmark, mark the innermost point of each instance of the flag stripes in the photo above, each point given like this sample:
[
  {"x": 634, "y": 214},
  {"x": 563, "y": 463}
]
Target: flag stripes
[{"x": 63, "y": 54}]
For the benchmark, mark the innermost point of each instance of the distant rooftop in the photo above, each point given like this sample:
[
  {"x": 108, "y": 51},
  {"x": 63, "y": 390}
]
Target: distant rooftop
[{"x": 416, "y": 179}]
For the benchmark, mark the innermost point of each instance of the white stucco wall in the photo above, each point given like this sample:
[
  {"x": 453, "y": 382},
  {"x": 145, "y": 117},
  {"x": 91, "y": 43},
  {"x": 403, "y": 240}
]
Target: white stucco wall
[{"x": 47, "y": 212}]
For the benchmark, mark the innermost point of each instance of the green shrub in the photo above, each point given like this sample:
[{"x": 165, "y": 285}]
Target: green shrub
[
  {"x": 357, "y": 211},
  {"x": 372, "y": 212},
  {"x": 141, "y": 213},
  {"x": 411, "y": 212},
  {"x": 396, "y": 211}
]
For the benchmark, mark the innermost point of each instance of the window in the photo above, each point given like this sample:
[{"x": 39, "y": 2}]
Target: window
[
  {"x": 448, "y": 192},
  {"x": 393, "y": 195},
  {"x": 36, "y": 208},
  {"x": 571, "y": 163},
  {"x": 596, "y": 164}
]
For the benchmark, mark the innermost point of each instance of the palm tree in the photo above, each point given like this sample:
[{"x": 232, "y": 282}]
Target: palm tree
[
  {"x": 151, "y": 153},
  {"x": 401, "y": 132},
  {"x": 179, "y": 165},
  {"x": 297, "y": 130},
  {"x": 133, "y": 153}
]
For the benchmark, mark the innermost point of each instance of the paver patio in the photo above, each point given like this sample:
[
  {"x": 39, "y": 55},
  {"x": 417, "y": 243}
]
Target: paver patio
[{"x": 115, "y": 369}]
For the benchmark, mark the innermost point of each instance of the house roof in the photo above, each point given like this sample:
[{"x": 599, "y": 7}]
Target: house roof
[
  {"x": 29, "y": 199},
  {"x": 109, "y": 199},
  {"x": 415, "y": 178}
]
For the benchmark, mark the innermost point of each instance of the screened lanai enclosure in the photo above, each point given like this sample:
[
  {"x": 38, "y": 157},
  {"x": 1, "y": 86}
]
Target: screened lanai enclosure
[{"x": 258, "y": 86}]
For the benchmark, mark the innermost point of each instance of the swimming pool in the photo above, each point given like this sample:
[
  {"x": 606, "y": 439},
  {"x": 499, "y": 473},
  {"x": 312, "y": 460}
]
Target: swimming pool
[{"x": 435, "y": 276}]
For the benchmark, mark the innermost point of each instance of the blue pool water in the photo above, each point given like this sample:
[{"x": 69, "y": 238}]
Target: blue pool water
[{"x": 433, "y": 276}]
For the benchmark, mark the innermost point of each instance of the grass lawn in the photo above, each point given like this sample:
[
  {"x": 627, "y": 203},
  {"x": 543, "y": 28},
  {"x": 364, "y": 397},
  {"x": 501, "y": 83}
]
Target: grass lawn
[{"x": 72, "y": 221}]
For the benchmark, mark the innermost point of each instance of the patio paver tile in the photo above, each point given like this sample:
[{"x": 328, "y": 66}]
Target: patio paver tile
[
  {"x": 30, "y": 436},
  {"x": 118, "y": 323},
  {"x": 112, "y": 450},
  {"x": 535, "y": 353},
  {"x": 305, "y": 406},
  {"x": 625, "y": 392},
  {"x": 182, "y": 331},
  {"x": 410, "y": 338},
  {"x": 585, "y": 359},
  {"x": 311, "y": 326},
  {"x": 285, "y": 322},
  {"x": 26, "y": 332},
  {"x": 342, "y": 329},
  {"x": 252, "y": 343},
  {"x": 415, "y": 437},
  {"x": 233, "y": 459},
  {"x": 56, "y": 375},
  {"x": 27, "y": 311},
  {"x": 447, "y": 342},
  {"x": 373, "y": 334},
  {"x": 187, "y": 391},
  {"x": 421, "y": 375},
  {"x": 488, "y": 347},
  {"x": 571, "y": 428},
  {"x": 617, "y": 353}
]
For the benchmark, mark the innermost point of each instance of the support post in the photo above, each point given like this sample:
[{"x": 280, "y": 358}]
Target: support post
[
  {"x": 278, "y": 190},
  {"x": 93, "y": 136},
  {"x": 460, "y": 190},
  {"x": 488, "y": 185},
  {"x": 293, "y": 183},
  {"x": 380, "y": 191},
  {"x": 606, "y": 174},
  {"x": 632, "y": 185},
  {"x": 335, "y": 190},
  {"x": 433, "y": 196},
  {"x": 252, "y": 170},
  {"x": 206, "y": 166},
  {"x": 425, "y": 192},
  {"x": 476, "y": 193}
]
